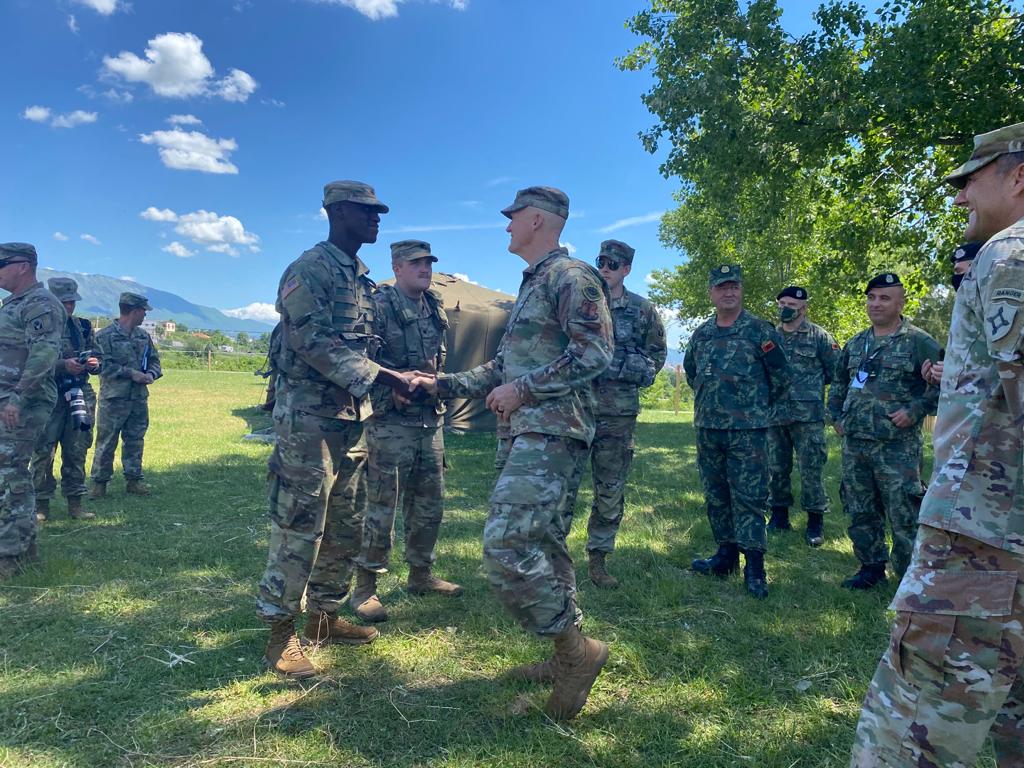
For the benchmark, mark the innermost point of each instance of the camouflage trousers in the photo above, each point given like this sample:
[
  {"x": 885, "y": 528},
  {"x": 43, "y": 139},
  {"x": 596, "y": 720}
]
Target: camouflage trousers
[
  {"x": 129, "y": 420},
  {"x": 611, "y": 456},
  {"x": 317, "y": 499},
  {"x": 954, "y": 669},
  {"x": 405, "y": 464},
  {"x": 17, "y": 497},
  {"x": 733, "y": 466},
  {"x": 807, "y": 438},
  {"x": 74, "y": 444},
  {"x": 882, "y": 481},
  {"x": 525, "y": 553}
]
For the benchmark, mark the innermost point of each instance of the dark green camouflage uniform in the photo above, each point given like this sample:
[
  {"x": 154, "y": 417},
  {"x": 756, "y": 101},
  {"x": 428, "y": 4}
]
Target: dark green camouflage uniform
[
  {"x": 736, "y": 373},
  {"x": 406, "y": 444},
  {"x": 799, "y": 419},
  {"x": 557, "y": 340},
  {"x": 124, "y": 404},
  {"x": 60, "y": 428},
  {"x": 318, "y": 467},
  {"x": 881, "y": 462},
  {"x": 30, "y": 330}
]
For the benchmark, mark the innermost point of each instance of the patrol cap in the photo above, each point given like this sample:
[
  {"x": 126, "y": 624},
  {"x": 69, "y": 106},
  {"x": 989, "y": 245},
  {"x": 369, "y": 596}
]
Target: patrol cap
[
  {"x": 410, "y": 250},
  {"x": 987, "y": 147},
  {"x": 884, "y": 280},
  {"x": 725, "y": 273},
  {"x": 546, "y": 198},
  {"x": 793, "y": 292},
  {"x": 616, "y": 249},
  {"x": 15, "y": 252},
  {"x": 966, "y": 252},
  {"x": 64, "y": 288},
  {"x": 352, "y": 192},
  {"x": 134, "y": 301}
]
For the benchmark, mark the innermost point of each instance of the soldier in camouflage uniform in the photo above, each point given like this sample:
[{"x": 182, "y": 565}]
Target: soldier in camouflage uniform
[
  {"x": 73, "y": 434},
  {"x": 31, "y": 320},
  {"x": 318, "y": 466},
  {"x": 405, "y": 441},
  {"x": 558, "y": 339},
  {"x": 131, "y": 363},
  {"x": 639, "y": 355},
  {"x": 954, "y": 669},
  {"x": 737, "y": 369},
  {"x": 877, "y": 403},
  {"x": 799, "y": 419}
]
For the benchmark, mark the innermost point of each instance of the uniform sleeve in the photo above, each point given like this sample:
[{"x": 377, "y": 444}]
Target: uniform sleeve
[
  {"x": 926, "y": 399},
  {"x": 655, "y": 345},
  {"x": 828, "y": 355},
  {"x": 690, "y": 361},
  {"x": 44, "y": 327},
  {"x": 476, "y": 382},
  {"x": 776, "y": 366},
  {"x": 153, "y": 366},
  {"x": 840, "y": 386},
  {"x": 582, "y": 310},
  {"x": 303, "y": 299},
  {"x": 1001, "y": 282}
]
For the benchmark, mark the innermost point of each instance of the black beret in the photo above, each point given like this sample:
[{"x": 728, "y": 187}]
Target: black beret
[
  {"x": 884, "y": 280},
  {"x": 794, "y": 292},
  {"x": 966, "y": 252}
]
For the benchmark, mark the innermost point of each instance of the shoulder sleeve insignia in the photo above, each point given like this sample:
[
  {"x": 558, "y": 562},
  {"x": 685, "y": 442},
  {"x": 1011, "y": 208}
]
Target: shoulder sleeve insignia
[
  {"x": 835, "y": 346},
  {"x": 591, "y": 293},
  {"x": 767, "y": 346},
  {"x": 289, "y": 286}
]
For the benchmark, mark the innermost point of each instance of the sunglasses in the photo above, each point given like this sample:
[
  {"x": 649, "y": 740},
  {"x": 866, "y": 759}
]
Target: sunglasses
[
  {"x": 611, "y": 264},
  {"x": 15, "y": 261}
]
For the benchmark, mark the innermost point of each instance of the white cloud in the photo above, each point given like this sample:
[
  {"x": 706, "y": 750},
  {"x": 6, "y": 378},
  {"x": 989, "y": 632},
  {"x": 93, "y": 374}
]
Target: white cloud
[
  {"x": 60, "y": 236},
  {"x": 569, "y": 247},
  {"x": 176, "y": 67},
  {"x": 118, "y": 96},
  {"x": 192, "y": 151},
  {"x": 72, "y": 119},
  {"x": 649, "y": 278},
  {"x": 384, "y": 9},
  {"x": 464, "y": 278},
  {"x": 159, "y": 214},
  {"x": 128, "y": 278},
  {"x": 258, "y": 310},
  {"x": 73, "y": 24},
  {"x": 90, "y": 239},
  {"x": 177, "y": 249},
  {"x": 323, "y": 214},
  {"x": 184, "y": 120},
  {"x": 273, "y": 103},
  {"x": 632, "y": 221},
  {"x": 36, "y": 114},
  {"x": 102, "y": 7}
]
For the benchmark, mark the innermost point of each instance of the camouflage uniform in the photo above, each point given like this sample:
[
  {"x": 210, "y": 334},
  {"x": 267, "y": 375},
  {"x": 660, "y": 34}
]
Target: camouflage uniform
[
  {"x": 318, "y": 466},
  {"x": 124, "y": 404},
  {"x": 30, "y": 330},
  {"x": 954, "y": 669},
  {"x": 639, "y": 354},
  {"x": 406, "y": 444},
  {"x": 736, "y": 374},
  {"x": 60, "y": 428},
  {"x": 557, "y": 340},
  {"x": 881, "y": 462},
  {"x": 799, "y": 418}
]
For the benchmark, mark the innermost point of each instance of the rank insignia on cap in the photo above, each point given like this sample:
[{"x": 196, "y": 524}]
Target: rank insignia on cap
[
  {"x": 725, "y": 268},
  {"x": 767, "y": 347},
  {"x": 590, "y": 293},
  {"x": 888, "y": 278}
]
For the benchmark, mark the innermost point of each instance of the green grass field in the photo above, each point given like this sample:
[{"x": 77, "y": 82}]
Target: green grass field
[{"x": 134, "y": 643}]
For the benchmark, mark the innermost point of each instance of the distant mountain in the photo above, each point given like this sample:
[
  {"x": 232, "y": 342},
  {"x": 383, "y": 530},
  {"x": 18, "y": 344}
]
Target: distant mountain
[{"x": 100, "y": 293}]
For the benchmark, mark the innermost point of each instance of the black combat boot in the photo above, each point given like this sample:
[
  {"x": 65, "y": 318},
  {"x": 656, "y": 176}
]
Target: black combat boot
[
  {"x": 754, "y": 578},
  {"x": 725, "y": 561},
  {"x": 779, "y": 521},
  {"x": 815, "y": 533},
  {"x": 869, "y": 575}
]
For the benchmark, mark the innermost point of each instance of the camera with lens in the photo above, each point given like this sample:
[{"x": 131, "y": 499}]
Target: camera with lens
[{"x": 71, "y": 389}]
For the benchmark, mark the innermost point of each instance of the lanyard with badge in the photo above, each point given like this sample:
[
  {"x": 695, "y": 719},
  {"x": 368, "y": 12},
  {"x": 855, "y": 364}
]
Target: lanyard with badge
[{"x": 864, "y": 370}]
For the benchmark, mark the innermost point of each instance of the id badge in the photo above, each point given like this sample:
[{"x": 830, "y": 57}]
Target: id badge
[{"x": 859, "y": 380}]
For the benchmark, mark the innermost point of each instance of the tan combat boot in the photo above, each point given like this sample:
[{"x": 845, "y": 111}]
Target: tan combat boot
[
  {"x": 99, "y": 491},
  {"x": 365, "y": 603},
  {"x": 423, "y": 582},
  {"x": 137, "y": 488},
  {"x": 541, "y": 672},
  {"x": 598, "y": 574},
  {"x": 284, "y": 654},
  {"x": 75, "y": 509},
  {"x": 325, "y": 629},
  {"x": 579, "y": 661},
  {"x": 42, "y": 510}
]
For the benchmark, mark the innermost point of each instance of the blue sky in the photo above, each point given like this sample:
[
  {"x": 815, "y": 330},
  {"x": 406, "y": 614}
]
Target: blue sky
[{"x": 185, "y": 144}]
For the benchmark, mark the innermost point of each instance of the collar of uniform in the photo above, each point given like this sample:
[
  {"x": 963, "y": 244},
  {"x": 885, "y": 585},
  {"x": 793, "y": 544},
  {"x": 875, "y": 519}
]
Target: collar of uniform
[
  {"x": 556, "y": 252},
  {"x": 623, "y": 300},
  {"x": 804, "y": 327},
  {"x": 345, "y": 259},
  {"x": 19, "y": 294},
  {"x": 121, "y": 329}
]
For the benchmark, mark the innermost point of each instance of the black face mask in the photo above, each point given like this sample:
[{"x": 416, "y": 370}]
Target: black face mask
[{"x": 957, "y": 279}]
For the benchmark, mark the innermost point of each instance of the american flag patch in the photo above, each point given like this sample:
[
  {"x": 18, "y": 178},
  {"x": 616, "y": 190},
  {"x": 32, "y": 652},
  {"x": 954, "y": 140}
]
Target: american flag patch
[{"x": 289, "y": 286}]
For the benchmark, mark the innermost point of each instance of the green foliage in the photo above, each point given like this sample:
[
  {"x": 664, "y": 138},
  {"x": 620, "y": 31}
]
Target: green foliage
[
  {"x": 660, "y": 396},
  {"x": 814, "y": 160},
  {"x": 217, "y": 361}
]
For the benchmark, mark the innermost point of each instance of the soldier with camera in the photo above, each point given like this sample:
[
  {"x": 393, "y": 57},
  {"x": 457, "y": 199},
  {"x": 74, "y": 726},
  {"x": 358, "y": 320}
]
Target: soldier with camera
[{"x": 70, "y": 422}]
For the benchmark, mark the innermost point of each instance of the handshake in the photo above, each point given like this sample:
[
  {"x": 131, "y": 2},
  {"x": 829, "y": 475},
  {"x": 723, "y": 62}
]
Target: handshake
[{"x": 410, "y": 386}]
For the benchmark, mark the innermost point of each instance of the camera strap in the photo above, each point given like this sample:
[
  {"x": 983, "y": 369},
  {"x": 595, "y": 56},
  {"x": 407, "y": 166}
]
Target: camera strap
[{"x": 77, "y": 341}]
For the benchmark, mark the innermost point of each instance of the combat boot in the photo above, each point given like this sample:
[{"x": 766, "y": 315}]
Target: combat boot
[
  {"x": 598, "y": 574},
  {"x": 99, "y": 491},
  {"x": 326, "y": 629},
  {"x": 578, "y": 662},
  {"x": 869, "y": 575},
  {"x": 423, "y": 582},
  {"x": 137, "y": 488},
  {"x": 815, "y": 533},
  {"x": 779, "y": 521},
  {"x": 725, "y": 561},
  {"x": 365, "y": 603},
  {"x": 42, "y": 510},
  {"x": 284, "y": 654},
  {"x": 75, "y": 509},
  {"x": 541, "y": 672},
  {"x": 754, "y": 578}
]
